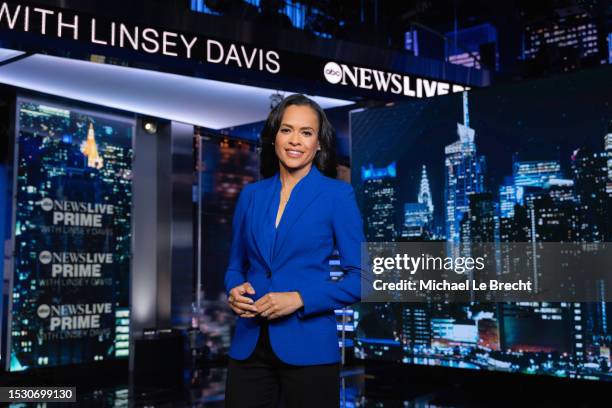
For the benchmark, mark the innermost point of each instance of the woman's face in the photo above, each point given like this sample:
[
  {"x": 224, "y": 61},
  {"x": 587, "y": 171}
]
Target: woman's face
[{"x": 297, "y": 140}]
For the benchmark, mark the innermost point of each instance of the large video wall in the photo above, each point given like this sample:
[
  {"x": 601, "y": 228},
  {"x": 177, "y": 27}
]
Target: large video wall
[
  {"x": 69, "y": 300},
  {"x": 514, "y": 163}
]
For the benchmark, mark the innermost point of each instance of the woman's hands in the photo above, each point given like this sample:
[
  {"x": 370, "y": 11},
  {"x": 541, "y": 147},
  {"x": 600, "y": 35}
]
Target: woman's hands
[
  {"x": 278, "y": 304},
  {"x": 240, "y": 304},
  {"x": 270, "y": 306}
]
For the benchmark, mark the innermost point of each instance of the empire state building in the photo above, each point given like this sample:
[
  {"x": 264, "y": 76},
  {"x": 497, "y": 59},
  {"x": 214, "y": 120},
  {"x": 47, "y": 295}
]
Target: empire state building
[{"x": 90, "y": 149}]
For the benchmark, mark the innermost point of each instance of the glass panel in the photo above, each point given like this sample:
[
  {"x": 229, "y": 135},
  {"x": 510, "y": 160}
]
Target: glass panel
[{"x": 226, "y": 165}]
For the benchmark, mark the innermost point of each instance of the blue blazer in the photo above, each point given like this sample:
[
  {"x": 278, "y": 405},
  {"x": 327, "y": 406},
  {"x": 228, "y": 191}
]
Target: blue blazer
[{"x": 321, "y": 214}]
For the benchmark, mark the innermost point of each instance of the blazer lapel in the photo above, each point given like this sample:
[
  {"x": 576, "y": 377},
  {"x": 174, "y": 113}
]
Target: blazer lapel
[
  {"x": 303, "y": 194},
  {"x": 261, "y": 227}
]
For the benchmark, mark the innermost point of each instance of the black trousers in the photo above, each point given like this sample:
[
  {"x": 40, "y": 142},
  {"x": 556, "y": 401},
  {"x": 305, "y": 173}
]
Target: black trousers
[{"x": 264, "y": 381}]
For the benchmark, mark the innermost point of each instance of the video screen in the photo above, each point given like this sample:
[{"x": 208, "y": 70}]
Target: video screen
[
  {"x": 513, "y": 163},
  {"x": 69, "y": 299}
]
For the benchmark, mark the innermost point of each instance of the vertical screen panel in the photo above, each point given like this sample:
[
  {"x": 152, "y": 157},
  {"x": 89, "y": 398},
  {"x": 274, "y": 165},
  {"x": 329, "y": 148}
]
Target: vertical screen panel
[{"x": 70, "y": 286}]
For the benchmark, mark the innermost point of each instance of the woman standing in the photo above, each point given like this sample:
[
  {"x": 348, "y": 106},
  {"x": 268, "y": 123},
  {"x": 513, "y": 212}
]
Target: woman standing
[{"x": 285, "y": 229}]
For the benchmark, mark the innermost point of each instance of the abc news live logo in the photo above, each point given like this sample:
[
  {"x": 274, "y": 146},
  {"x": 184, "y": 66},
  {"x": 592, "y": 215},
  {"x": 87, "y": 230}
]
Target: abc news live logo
[{"x": 388, "y": 82}]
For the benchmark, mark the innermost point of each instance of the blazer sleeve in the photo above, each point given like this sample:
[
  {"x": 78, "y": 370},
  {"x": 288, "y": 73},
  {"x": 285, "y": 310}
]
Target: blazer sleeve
[
  {"x": 238, "y": 261},
  {"x": 348, "y": 236}
]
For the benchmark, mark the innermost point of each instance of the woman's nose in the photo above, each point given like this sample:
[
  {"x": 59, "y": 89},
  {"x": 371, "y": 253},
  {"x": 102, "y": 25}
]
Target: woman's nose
[{"x": 294, "y": 139}]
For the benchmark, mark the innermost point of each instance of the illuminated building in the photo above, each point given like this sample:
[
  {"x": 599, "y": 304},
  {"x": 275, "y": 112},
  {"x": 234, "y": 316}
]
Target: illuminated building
[
  {"x": 425, "y": 192},
  {"x": 416, "y": 330},
  {"x": 416, "y": 219},
  {"x": 479, "y": 223},
  {"x": 450, "y": 332},
  {"x": 509, "y": 196},
  {"x": 515, "y": 228},
  {"x": 535, "y": 173},
  {"x": 89, "y": 148},
  {"x": 555, "y": 218},
  {"x": 561, "y": 193},
  {"x": 380, "y": 200},
  {"x": 590, "y": 180},
  {"x": 573, "y": 31},
  {"x": 464, "y": 175}
]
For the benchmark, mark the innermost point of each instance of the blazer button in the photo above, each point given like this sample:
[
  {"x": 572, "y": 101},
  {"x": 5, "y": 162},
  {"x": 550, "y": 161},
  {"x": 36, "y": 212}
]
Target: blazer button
[{"x": 268, "y": 273}]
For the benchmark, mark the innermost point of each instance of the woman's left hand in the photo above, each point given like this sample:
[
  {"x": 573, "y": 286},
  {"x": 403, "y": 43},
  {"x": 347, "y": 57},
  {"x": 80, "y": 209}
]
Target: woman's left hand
[{"x": 278, "y": 304}]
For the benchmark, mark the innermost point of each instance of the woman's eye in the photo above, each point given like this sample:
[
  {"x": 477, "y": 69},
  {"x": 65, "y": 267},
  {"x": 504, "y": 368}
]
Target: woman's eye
[
  {"x": 307, "y": 133},
  {"x": 285, "y": 130}
]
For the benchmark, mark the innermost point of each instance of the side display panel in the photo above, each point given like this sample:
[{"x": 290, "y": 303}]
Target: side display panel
[{"x": 69, "y": 299}]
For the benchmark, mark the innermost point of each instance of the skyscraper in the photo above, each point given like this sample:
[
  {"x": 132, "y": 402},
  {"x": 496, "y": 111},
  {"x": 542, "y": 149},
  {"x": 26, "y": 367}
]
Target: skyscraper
[
  {"x": 479, "y": 225},
  {"x": 425, "y": 192},
  {"x": 590, "y": 180},
  {"x": 89, "y": 148},
  {"x": 509, "y": 195},
  {"x": 554, "y": 218},
  {"x": 464, "y": 175},
  {"x": 380, "y": 192},
  {"x": 416, "y": 325},
  {"x": 416, "y": 220},
  {"x": 418, "y": 217}
]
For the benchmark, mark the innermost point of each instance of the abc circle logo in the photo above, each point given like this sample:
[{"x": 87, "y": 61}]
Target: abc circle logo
[
  {"x": 332, "y": 72},
  {"x": 44, "y": 257},
  {"x": 46, "y": 204},
  {"x": 43, "y": 311}
]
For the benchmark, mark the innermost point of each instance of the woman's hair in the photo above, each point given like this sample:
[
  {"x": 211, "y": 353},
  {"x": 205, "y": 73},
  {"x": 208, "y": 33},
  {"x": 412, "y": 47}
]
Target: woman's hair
[{"x": 325, "y": 159}]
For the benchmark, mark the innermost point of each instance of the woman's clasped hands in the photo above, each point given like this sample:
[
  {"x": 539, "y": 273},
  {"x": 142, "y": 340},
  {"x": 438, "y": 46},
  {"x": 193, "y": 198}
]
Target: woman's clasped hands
[{"x": 270, "y": 306}]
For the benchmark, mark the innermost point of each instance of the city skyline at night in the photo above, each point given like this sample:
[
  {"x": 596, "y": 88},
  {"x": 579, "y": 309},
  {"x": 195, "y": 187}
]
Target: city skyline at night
[{"x": 524, "y": 163}]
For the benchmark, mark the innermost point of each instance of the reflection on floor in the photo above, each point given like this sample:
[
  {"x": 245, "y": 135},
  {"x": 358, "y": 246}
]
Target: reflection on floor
[{"x": 207, "y": 390}]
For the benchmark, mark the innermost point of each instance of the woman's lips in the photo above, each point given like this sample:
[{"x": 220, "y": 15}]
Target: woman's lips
[{"x": 294, "y": 153}]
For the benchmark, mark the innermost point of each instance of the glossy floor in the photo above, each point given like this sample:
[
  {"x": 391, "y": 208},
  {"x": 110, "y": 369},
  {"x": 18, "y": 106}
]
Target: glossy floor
[{"x": 207, "y": 390}]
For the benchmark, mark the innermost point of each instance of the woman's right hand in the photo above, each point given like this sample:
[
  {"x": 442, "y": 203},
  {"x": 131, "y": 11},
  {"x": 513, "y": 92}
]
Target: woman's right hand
[{"x": 240, "y": 304}]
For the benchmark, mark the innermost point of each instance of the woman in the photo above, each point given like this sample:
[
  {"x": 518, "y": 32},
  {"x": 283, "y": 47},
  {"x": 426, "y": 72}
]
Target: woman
[{"x": 285, "y": 228}]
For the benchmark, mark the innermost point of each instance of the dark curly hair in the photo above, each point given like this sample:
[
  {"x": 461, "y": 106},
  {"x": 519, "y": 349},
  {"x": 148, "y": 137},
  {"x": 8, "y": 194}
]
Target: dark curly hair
[{"x": 325, "y": 159}]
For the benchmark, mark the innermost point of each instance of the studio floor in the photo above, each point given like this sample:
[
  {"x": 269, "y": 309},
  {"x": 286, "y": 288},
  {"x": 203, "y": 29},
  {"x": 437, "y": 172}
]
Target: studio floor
[{"x": 207, "y": 390}]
